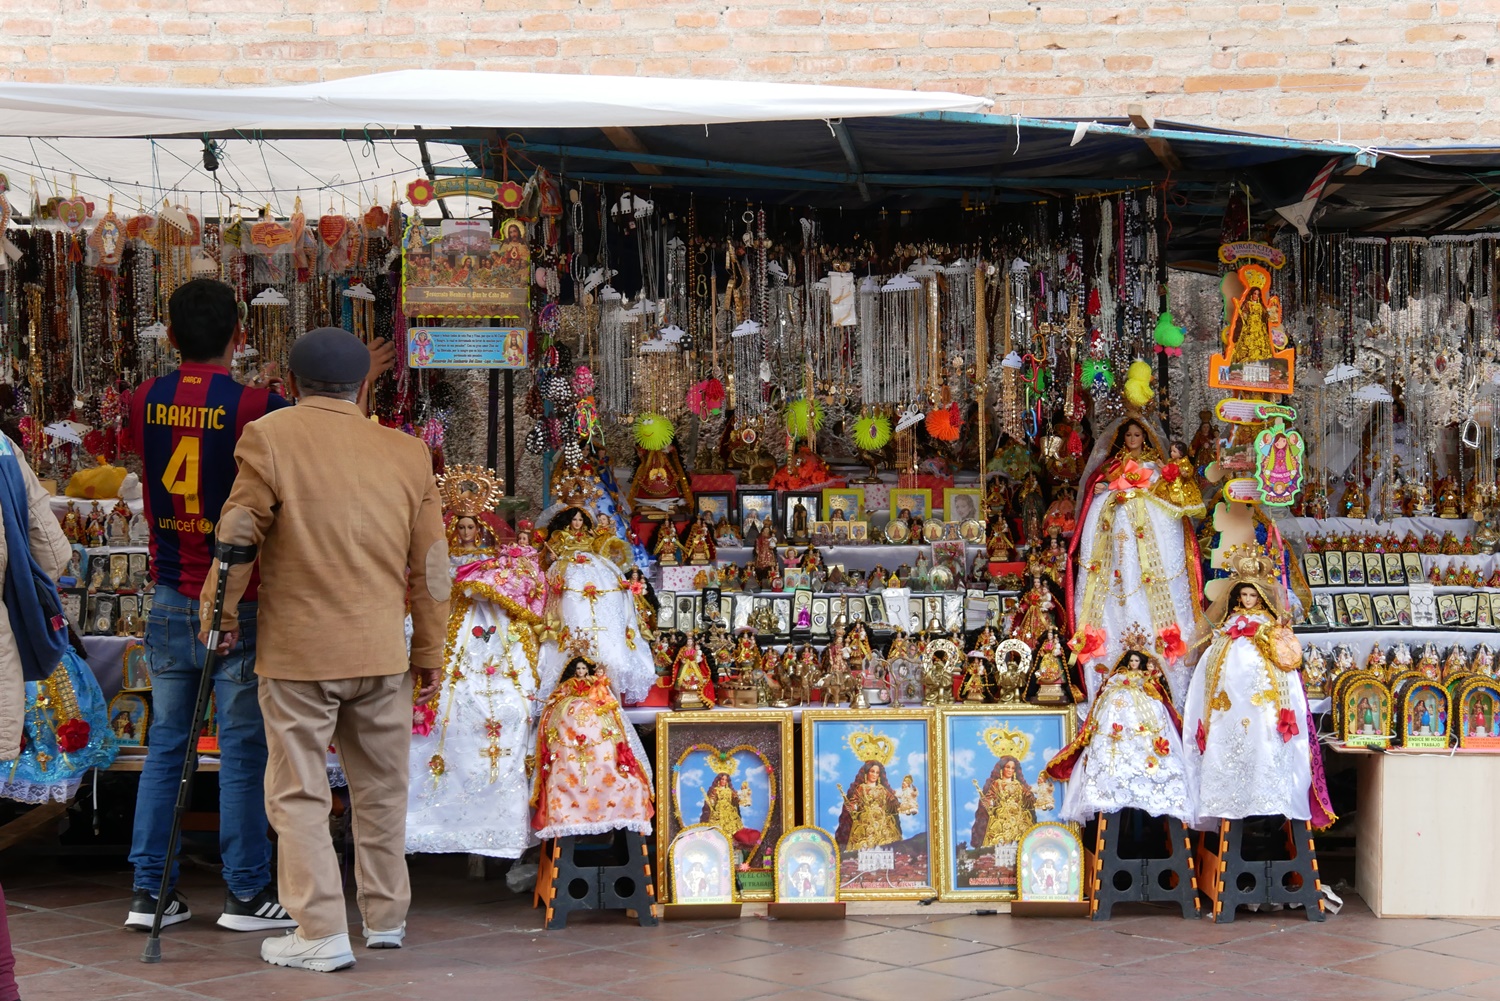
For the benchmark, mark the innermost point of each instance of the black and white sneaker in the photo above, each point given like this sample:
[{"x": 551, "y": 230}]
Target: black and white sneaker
[
  {"x": 263, "y": 912},
  {"x": 143, "y": 911}
]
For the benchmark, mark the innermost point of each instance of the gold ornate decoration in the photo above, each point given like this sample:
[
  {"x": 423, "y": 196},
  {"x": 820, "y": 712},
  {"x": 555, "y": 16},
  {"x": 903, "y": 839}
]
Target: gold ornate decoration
[
  {"x": 1005, "y": 742},
  {"x": 470, "y": 490},
  {"x": 868, "y": 745}
]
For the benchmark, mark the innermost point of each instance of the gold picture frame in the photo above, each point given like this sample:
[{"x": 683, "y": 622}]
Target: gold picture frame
[
  {"x": 971, "y": 510},
  {"x": 903, "y": 498},
  {"x": 883, "y": 829},
  {"x": 971, "y": 748},
  {"x": 735, "y": 739}
]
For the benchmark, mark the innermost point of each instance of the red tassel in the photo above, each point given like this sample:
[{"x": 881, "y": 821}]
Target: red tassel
[{"x": 1093, "y": 309}]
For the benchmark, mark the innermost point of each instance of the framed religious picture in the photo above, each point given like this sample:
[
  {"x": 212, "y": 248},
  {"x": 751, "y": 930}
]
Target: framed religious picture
[
  {"x": 1468, "y": 610},
  {"x": 991, "y": 791},
  {"x": 129, "y": 719},
  {"x": 896, "y": 532},
  {"x": 1354, "y": 569},
  {"x": 701, "y": 866},
  {"x": 1312, "y": 568},
  {"x": 859, "y": 532},
  {"x": 1476, "y": 707},
  {"x": 1413, "y": 564},
  {"x": 1395, "y": 570},
  {"x": 1447, "y": 610},
  {"x": 843, "y": 504},
  {"x": 75, "y": 574},
  {"x": 799, "y": 513},
  {"x": 867, "y": 777},
  {"x": 1333, "y": 566},
  {"x": 840, "y": 532},
  {"x": 1385, "y": 611},
  {"x": 932, "y": 530},
  {"x": 908, "y": 502},
  {"x": 757, "y": 509},
  {"x": 961, "y": 504},
  {"x": 1374, "y": 570},
  {"x": 823, "y": 533},
  {"x": 728, "y": 768},
  {"x": 135, "y": 674},
  {"x": 793, "y": 579},
  {"x": 807, "y": 866},
  {"x": 1049, "y": 865},
  {"x": 666, "y": 615},
  {"x": 714, "y": 504}
]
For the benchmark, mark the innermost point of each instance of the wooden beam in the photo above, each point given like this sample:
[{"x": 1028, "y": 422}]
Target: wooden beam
[
  {"x": 626, "y": 141},
  {"x": 1159, "y": 147},
  {"x": 1391, "y": 222}
]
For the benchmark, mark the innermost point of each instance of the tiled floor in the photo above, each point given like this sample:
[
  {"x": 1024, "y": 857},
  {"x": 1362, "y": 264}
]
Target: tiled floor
[{"x": 473, "y": 938}]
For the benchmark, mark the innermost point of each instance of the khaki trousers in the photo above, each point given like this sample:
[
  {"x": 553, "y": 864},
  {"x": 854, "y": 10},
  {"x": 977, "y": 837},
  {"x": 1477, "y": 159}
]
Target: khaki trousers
[{"x": 368, "y": 720}]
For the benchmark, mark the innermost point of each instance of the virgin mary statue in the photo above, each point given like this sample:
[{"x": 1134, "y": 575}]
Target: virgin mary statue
[{"x": 1137, "y": 557}]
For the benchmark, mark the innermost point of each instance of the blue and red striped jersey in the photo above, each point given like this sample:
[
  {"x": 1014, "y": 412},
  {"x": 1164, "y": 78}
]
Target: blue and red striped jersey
[{"x": 184, "y": 426}]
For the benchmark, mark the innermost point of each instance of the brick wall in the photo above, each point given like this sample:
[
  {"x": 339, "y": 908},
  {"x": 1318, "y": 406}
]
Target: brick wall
[{"x": 1365, "y": 71}]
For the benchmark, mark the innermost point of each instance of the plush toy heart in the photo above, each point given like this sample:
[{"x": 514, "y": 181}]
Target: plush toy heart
[
  {"x": 73, "y": 213},
  {"x": 331, "y": 228}
]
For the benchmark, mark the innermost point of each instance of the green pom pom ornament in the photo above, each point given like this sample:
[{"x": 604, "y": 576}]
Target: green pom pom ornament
[
  {"x": 804, "y": 418},
  {"x": 653, "y": 432},
  {"x": 872, "y": 432}
]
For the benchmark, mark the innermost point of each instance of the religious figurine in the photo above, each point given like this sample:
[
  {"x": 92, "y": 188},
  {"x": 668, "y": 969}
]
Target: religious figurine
[
  {"x": 117, "y": 530},
  {"x": 660, "y": 484},
  {"x": 941, "y": 661},
  {"x": 1483, "y": 662},
  {"x": 1315, "y": 671},
  {"x": 1012, "y": 666},
  {"x": 1049, "y": 685},
  {"x": 1178, "y": 485},
  {"x": 975, "y": 683},
  {"x": 1356, "y": 502},
  {"x": 725, "y": 533},
  {"x": 73, "y": 525},
  {"x": 1456, "y": 664},
  {"x": 1136, "y": 557},
  {"x": 1375, "y": 661},
  {"x": 668, "y": 551},
  {"x": 997, "y": 547},
  {"x": 93, "y": 529},
  {"x": 836, "y": 683},
  {"x": 692, "y": 686},
  {"x": 1038, "y": 609},
  {"x": 1061, "y": 515},
  {"x": 1032, "y": 509},
  {"x": 697, "y": 550},
  {"x": 1205, "y": 445},
  {"x": 1428, "y": 665},
  {"x": 1448, "y": 500},
  {"x": 591, "y": 772}
]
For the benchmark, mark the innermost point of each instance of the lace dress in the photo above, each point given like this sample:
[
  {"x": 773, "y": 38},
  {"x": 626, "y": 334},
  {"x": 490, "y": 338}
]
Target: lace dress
[
  {"x": 592, "y": 775},
  {"x": 469, "y": 783},
  {"x": 1127, "y": 754},
  {"x": 1245, "y": 729},
  {"x": 67, "y": 733}
]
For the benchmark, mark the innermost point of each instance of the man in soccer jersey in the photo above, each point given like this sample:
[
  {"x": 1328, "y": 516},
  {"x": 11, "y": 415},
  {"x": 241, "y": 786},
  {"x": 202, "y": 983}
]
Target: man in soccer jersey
[{"x": 185, "y": 426}]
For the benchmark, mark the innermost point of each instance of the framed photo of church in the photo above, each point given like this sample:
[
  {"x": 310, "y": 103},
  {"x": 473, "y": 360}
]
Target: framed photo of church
[
  {"x": 990, "y": 791},
  {"x": 731, "y": 769},
  {"x": 867, "y": 778}
]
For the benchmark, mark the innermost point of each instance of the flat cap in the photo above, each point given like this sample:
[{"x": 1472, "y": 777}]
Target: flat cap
[{"x": 330, "y": 354}]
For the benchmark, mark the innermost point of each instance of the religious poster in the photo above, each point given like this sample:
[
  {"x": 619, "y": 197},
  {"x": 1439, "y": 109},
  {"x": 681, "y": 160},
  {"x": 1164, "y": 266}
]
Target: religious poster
[{"x": 459, "y": 269}]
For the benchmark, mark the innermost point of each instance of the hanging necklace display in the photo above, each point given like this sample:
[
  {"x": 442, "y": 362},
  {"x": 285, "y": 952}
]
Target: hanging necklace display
[{"x": 900, "y": 316}]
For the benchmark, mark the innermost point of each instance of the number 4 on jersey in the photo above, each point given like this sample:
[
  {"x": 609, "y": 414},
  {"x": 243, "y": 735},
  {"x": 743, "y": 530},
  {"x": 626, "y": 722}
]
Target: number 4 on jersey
[{"x": 181, "y": 477}]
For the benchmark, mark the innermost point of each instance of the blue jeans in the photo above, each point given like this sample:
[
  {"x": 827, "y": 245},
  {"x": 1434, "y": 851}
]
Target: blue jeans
[{"x": 176, "y": 668}]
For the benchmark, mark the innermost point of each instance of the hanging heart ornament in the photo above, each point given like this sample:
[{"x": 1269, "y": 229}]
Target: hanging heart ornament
[
  {"x": 73, "y": 213},
  {"x": 332, "y": 229}
]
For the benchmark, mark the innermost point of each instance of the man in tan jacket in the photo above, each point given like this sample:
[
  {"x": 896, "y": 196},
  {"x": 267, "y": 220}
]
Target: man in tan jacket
[{"x": 349, "y": 523}]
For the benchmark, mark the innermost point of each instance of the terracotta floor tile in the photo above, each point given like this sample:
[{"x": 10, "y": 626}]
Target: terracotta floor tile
[
  {"x": 28, "y": 963},
  {"x": 1482, "y": 945},
  {"x": 181, "y": 966},
  {"x": 998, "y": 929},
  {"x": 1421, "y": 968},
  {"x": 697, "y": 985},
  {"x": 53, "y": 896},
  {"x": 1306, "y": 950},
  {"x": 803, "y": 967},
  {"x": 805, "y": 996},
  {"x": 907, "y": 985},
  {"x": 40, "y": 926},
  {"x": 809, "y": 933},
  {"x": 1486, "y": 990},
  {"x": 904, "y": 947},
  {"x": 78, "y": 984},
  {"x": 1099, "y": 945},
  {"x": 705, "y": 947},
  {"x": 1127, "y": 983},
  {"x": 1402, "y": 932},
  {"x": 508, "y": 948},
  {"x": 282, "y": 985},
  {"x": 1212, "y": 969},
  {"x": 601, "y": 969},
  {"x": 1327, "y": 985},
  {"x": 1010, "y": 968}
]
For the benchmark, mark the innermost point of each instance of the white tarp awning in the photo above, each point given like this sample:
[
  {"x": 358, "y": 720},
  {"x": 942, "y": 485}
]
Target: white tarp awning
[
  {"x": 440, "y": 99},
  {"x": 327, "y": 174}
]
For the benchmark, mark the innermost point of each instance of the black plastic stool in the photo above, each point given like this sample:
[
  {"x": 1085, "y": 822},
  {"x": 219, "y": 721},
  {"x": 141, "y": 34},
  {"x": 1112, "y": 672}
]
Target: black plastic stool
[
  {"x": 583, "y": 874},
  {"x": 1119, "y": 879},
  {"x": 1230, "y": 879}
]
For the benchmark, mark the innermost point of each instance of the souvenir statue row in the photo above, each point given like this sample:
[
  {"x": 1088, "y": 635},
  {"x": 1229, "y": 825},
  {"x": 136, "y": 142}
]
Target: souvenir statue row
[
  {"x": 1323, "y": 667},
  {"x": 1414, "y": 711}
]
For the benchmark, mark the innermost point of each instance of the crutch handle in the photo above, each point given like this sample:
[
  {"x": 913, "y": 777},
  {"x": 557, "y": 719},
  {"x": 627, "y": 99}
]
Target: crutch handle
[{"x": 233, "y": 555}]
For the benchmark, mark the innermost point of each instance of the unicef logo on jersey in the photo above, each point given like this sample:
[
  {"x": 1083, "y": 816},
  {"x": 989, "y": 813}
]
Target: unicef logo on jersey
[{"x": 205, "y": 526}]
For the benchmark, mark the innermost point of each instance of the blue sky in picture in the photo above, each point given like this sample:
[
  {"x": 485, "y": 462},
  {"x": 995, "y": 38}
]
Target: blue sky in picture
[
  {"x": 970, "y": 760},
  {"x": 694, "y": 777},
  {"x": 836, "y": 763}
]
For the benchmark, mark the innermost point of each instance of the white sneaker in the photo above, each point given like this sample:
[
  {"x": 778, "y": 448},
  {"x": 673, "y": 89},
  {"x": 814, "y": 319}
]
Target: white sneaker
[
  {"x": 321, "y": 955},
  {"x": 385, "y": 939}
]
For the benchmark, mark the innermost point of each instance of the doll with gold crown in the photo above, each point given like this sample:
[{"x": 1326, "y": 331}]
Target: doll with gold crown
[
  {"x": 1246, "y": 727},
  {"x": 1136, "y": 553},
  {"x": 1128, "y": 753},
  {"x": 468, "y": 782}
]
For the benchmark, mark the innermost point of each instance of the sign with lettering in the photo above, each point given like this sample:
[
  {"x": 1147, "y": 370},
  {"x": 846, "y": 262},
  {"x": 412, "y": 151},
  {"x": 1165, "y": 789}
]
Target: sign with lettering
[{"x": 466, "y": 347}]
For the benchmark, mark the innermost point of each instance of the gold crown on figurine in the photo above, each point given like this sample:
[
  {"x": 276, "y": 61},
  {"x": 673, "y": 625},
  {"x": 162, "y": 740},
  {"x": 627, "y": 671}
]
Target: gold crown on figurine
[
  {"x": 1135, "y": 638},
  {"x": 1256, "y": 277},
  {"x": 722, "y": 762},
  {"x": 470, "y": 490},
  {"x": 870, "y": 746},
  {"x": 1249, "y": 561},
  {"x": 1004, "y": 742}
]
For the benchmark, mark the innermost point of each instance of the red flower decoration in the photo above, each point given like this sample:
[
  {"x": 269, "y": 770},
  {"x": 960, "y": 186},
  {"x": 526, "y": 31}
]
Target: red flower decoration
[
  {"x": 1243, "y": 628},
  {"x": 1170, "y": 472},
  {"x": 1162, "y": 745},
  {"x": 72, "y": 736},
  {"x": 1286, "y": 725},
  {"x": 1132, "y": 476},
  {"x": 422, "y": 718},
  {"x": 1087, "y": 643},
  {"x": 420, "y": 191},
  {"x": 1172, "y": 646},
  {"x": 1201, "y": 737}
]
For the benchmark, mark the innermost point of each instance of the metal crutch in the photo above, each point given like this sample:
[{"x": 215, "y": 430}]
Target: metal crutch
[{"x": 227, "y": 556}]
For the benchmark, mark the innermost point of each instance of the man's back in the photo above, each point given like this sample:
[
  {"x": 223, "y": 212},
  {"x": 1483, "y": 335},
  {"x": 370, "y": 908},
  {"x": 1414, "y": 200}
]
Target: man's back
[{"x": 343, "y": 507}]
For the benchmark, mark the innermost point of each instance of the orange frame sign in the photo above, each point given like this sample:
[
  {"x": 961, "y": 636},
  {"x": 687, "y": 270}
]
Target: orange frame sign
[{"x": 1257, "y": 356}]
